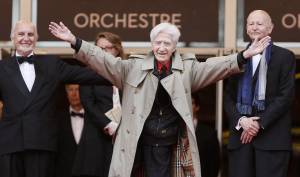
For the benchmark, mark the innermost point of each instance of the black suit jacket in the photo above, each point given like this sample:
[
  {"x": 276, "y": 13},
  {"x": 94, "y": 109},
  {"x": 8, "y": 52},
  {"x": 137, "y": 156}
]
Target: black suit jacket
[
  {"x": 85, "y": 158},
  {"x": 209, "y": 150},
  {"x": 275, "y": 120},
  {"x": 94, "y": 151},
  {"x": 29, "y": 120},
  {"x": 67, "y": 147}
]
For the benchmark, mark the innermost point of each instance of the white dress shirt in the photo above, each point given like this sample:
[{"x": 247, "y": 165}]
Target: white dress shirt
[
  {"x": 255, "y": 62},
  {"x": 28, "y": 72},
  {"x": 77, "y": 125}
]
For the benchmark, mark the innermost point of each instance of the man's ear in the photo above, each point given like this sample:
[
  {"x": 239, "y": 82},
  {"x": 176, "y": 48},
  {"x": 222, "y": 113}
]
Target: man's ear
[
  {"x": 271, "y": 27},
  {"x": 174, "y": 48}
]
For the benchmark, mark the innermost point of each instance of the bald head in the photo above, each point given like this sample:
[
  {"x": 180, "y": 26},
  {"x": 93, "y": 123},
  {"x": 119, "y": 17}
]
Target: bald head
[
  {"x": 262, "y": 14},
  {"x": 259, "y": 24}
]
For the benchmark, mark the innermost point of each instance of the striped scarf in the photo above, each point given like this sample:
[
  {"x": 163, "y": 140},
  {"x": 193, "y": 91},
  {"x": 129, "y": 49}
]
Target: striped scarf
[{"x": 246, "y": 98}]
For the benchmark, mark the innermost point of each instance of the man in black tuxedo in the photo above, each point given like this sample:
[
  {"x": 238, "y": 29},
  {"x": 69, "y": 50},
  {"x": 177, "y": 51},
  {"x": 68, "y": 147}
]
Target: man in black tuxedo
[
  {"x": 257, "y": 103},
  {"x": 84, "y": 149},
  {"x": 27, "y": 86},
  {"x": 71, "y": 125}
]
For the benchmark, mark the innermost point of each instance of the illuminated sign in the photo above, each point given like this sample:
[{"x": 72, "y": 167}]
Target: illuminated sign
[{"x": 198, "y": 20}]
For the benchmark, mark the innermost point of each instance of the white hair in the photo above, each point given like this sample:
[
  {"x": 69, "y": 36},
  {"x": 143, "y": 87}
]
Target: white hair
[
  {"x": 167, "y": 28},
  {"x": 12, "y": 33}
]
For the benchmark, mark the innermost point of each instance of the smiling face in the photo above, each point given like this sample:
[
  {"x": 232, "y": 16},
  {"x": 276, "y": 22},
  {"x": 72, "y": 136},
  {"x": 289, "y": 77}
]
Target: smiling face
[
  {"x": 24, "y": 38},
  {"x": 259, "y": 25},
  {"x": 163, "y": 47}
]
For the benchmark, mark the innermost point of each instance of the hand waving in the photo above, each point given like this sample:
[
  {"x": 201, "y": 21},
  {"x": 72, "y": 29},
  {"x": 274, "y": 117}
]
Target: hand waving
[{"x": 62, "y": 32}]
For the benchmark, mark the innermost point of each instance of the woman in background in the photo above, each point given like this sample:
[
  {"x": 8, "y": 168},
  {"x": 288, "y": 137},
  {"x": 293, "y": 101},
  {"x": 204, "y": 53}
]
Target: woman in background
[{"x": 103, "y": 109}]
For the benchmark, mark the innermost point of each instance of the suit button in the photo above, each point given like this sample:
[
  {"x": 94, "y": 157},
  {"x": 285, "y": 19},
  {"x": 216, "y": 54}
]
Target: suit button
[
  {"x": 186, "y": 90},
  {"x": 128, "y": 131},
  {"x": 133, "y": 110},
  {"x": 141, "y": 116}
]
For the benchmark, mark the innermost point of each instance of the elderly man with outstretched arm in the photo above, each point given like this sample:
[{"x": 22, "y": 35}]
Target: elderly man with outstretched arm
[
  {"x": 156, "y": 134},
  {"x": 29, "y": 126}
]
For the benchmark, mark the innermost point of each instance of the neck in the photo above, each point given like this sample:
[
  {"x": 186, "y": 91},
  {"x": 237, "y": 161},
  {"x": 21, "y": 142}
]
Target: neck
[
  {"x": 24, "y": 54},
  {"x": 164, "y": 61},
  {"x": 76, "y": 107}
]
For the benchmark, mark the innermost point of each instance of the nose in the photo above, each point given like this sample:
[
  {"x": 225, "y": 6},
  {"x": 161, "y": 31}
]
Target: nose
[
  {"x": 162, "y": 45},
  {"x": 255, "y": 27},
  {"x": 26, "y": 37}
]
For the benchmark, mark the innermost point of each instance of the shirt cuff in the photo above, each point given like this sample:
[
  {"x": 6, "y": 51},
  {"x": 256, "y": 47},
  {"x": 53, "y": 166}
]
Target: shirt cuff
[
  {"x": 238, "y": 125},
  {"x": 77, "y": 45},
  {"x": 241, "y": 60},
  {"x": 109, "y": 124}
]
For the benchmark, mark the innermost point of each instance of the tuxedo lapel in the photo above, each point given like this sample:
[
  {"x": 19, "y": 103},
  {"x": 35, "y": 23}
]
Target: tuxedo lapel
[
  {"x": 39, "y": 79},
  {"x": 70, "y": 130},
  {"x": 15, "y": 75}
]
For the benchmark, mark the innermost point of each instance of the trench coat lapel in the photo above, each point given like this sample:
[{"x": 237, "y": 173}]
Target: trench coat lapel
[
  {"x": 148, "y": 64},
  {"x": 175, "y": 87},
  {"x": 171, "y": 82}
]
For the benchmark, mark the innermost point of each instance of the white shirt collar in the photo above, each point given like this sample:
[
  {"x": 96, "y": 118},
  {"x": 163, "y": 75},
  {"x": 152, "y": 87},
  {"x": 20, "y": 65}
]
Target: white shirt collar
[
  {"x": 71, "y": 109},
  {"x": 18, "y": 55}
]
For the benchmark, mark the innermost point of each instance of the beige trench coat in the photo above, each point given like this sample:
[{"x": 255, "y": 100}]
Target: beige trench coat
[{"x": 135, "y": 78}]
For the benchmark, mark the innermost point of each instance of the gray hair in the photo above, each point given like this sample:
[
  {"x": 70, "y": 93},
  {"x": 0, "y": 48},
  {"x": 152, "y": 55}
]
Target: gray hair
[
  {"x": 167, "y": 28},
  {"x": 12, "y": 33}
]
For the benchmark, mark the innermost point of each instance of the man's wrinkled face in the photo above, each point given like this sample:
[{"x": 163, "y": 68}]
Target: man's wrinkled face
[
  {"x": 24, "y": 38},
  {"x": 259, "y": 25},
  {"x": 73, "y": 94},
  {"x": 163, "y": 47}
]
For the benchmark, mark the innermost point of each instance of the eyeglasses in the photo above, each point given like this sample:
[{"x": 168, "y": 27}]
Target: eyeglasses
[
  {"x": 164, "y": 43},
  {"x": 107, "y": 48}
]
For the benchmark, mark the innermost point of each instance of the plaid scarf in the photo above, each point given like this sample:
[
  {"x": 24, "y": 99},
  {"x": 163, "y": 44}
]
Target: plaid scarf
[
  {"x": 181, "y": 163},
  {"x": 246, "y": 98}
]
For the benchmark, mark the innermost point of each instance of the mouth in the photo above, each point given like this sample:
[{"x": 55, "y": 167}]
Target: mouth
[
  {"x": 256, "y": 33},
  {"x": 161, "y": 54},
  {"x": 25, "y": 43}
]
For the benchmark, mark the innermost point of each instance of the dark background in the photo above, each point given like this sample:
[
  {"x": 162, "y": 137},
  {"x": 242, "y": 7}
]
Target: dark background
[
  {"x": 5, "y": 19},
  {"x": 277, "y": 9}
]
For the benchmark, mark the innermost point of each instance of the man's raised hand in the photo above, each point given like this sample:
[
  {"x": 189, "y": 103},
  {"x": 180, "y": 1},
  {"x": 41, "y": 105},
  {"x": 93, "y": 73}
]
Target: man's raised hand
[{"x": 62, "y": 32}]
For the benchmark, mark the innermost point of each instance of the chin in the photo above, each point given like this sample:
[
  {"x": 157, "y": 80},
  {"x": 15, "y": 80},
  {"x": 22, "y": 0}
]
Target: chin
[
  {"x": 25, "y": 49},
  {"x": 162, "y": 59}
]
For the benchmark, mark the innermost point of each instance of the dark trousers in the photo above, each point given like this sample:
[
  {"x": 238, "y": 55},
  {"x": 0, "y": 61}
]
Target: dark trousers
[
  {"x": 248, "y": 161},
  {"x": 157, "y": 160},
  {"x": 30, "y": 163}
]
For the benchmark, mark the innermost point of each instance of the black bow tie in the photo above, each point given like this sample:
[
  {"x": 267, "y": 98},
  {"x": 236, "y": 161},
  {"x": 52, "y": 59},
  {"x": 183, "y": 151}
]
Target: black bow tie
[
  {"x": 76, "y": 114},
  {"x": 29, "y": 59}
]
